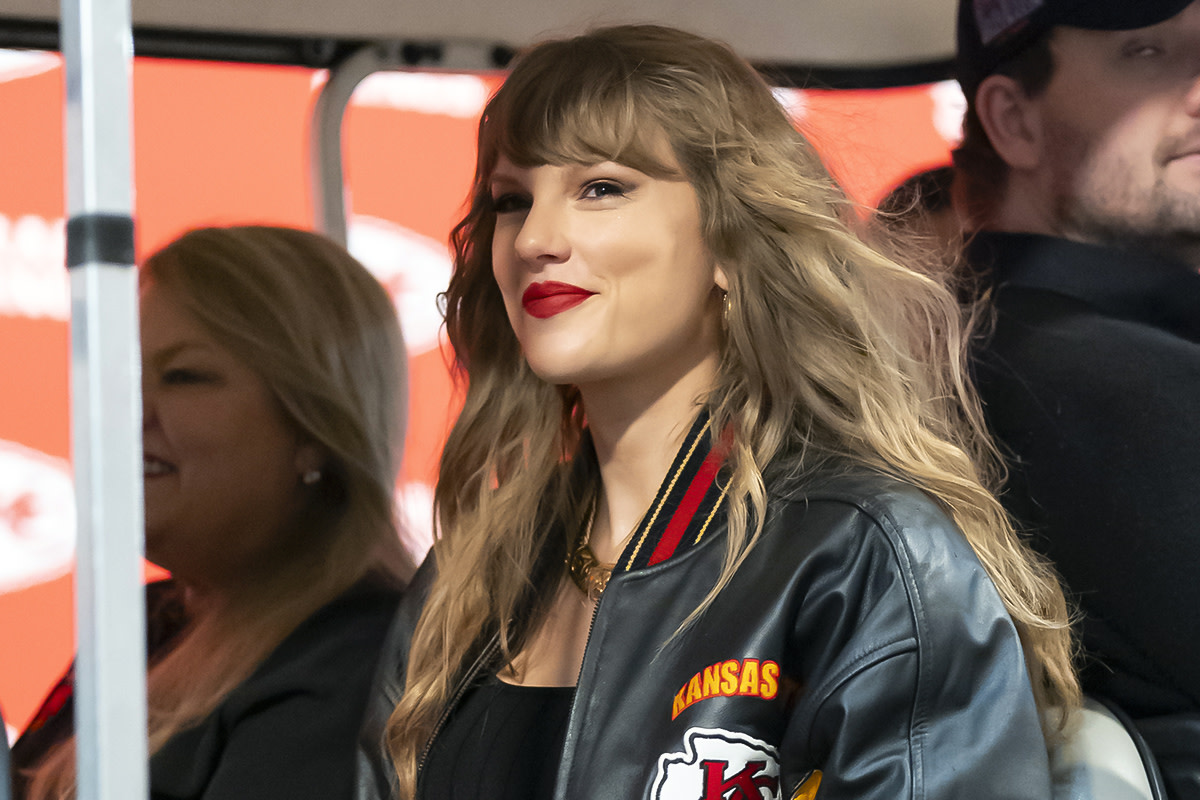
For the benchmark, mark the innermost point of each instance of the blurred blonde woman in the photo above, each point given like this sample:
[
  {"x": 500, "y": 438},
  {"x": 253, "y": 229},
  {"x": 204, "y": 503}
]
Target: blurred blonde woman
[
  {"x": 713, "y": 520},
  {"x": 273, "y": 395}
]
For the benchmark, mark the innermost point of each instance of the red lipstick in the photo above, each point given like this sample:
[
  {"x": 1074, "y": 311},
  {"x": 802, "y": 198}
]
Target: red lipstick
[{"x": 544, "y": 300}]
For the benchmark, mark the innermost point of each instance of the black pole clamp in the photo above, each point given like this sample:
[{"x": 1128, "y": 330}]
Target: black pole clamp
[{"x": 100, "y": 239}]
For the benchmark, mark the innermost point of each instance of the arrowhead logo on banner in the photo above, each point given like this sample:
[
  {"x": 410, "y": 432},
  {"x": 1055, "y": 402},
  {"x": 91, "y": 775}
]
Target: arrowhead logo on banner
[
  {"x": 37, "y": 517},
  {"x": 17, "y": 64},
  {"x": 33, "y": 282},
  {"x": 413, "y": 268}
]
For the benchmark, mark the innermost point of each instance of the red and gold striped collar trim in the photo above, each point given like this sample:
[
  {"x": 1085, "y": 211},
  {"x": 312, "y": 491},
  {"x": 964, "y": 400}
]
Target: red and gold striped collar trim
[{"x": 686, "y": 504}]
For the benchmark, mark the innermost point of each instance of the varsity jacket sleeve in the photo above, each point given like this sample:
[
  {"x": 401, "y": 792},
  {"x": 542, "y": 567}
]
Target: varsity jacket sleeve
[{"x": 920, "y": 688}]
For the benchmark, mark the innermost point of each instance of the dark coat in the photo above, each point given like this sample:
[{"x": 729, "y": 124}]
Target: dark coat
[
  {"x": 287, "y": 732},
  {"x": 1091, "y": 382}
]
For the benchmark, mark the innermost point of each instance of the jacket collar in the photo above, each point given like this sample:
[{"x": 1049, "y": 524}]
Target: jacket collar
[
  {"x": 1137, "y": 286},
  {"x": 685, "y": 507}
]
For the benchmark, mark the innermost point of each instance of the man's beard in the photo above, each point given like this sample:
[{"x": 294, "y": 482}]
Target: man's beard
[
  {"x": 1169, "y": 225},
  {"x": 1101, "y": 201}
]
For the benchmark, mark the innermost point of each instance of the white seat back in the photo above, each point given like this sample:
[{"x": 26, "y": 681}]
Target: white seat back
[{"x": 1101, "y": 759}]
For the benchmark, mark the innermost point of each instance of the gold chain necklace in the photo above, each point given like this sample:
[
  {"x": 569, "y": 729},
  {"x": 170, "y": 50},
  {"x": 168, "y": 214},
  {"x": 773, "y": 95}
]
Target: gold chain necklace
[{"x": 587, "y": 571}]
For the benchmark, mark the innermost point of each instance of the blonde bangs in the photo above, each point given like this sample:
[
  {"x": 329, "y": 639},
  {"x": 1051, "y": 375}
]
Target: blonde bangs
[{"x": 600, "y": 108}]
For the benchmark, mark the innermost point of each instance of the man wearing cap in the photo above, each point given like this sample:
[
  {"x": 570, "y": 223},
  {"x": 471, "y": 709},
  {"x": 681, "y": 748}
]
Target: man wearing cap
[{"x": 1081, "y": 166}]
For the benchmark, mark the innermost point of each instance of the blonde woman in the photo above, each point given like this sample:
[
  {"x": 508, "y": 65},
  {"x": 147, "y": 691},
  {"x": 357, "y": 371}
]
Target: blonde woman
[
  {"x": 713, "y": 519},
  {"x": 273, "y": 377}
]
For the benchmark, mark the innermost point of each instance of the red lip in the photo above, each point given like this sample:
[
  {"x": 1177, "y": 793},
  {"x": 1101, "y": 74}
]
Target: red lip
[{"x": 544, "y": 300}]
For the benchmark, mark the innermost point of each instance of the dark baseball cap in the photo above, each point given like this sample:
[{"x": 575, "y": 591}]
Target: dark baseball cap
[{"x": 991, "y": 32}]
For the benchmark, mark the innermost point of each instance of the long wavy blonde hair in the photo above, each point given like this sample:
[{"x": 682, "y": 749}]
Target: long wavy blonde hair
[
  {"x": 322, "y": 333},
  {"x": 834, "y": 352}
]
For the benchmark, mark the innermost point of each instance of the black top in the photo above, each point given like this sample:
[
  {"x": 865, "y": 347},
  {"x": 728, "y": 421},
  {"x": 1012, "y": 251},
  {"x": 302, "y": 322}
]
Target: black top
[
  {"x": 287, "y": 732},
  {"x": 1091, "y": 381},
  {"x": 503, "y": 742}
]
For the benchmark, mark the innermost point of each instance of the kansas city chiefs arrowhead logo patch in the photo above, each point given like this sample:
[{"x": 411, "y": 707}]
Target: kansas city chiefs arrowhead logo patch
[{"x": 718, "y": 765}]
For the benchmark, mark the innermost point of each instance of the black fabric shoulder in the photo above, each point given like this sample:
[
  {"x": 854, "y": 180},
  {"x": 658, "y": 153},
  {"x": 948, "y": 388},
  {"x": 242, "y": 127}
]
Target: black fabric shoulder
[{"x": 290, "y": 729}]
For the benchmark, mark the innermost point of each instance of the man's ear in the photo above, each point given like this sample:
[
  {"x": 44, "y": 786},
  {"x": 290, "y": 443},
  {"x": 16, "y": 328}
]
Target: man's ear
[{"x": 1012, "y": 121}]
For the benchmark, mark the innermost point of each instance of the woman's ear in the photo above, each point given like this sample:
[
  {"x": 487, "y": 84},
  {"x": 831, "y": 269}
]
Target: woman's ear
[
  {"x": 720, "y": 278},
  {"x": 1012, "y": 120},
  {"x": 310, "y": 461}
]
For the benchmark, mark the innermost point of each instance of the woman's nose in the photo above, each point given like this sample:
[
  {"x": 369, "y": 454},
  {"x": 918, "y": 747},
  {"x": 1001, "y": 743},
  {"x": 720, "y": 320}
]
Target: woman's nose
[{"x": 543, "y": 235}]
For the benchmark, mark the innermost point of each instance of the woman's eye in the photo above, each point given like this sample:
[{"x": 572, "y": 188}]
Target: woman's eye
[
  {"x": 507, "y": 203},
  {"x": 182, "y": 375},
  {"x": 598, "y": 189}
]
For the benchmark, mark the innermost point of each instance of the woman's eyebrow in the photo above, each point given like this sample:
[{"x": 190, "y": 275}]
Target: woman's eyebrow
[
  {"x": 504, "y": 179},
  {"x": 164, "y": 354}
]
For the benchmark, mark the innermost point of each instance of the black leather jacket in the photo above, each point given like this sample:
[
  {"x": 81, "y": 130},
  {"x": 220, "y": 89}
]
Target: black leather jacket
[{"x": 860, "y": 645}]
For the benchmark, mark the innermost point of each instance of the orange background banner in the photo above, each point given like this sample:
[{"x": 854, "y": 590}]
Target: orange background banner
[{"x": 221, "y": 144}]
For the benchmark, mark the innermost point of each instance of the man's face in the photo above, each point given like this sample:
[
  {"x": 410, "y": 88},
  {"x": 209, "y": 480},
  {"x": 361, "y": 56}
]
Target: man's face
[{"x": 1122, "y": 134}]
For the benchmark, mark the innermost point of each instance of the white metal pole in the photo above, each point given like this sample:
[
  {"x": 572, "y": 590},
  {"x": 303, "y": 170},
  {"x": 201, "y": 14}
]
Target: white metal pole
[
  {"x": 330, "y": 212},
  {"x": 325, "y": 158},
  {"x": 110, "y": 699}
]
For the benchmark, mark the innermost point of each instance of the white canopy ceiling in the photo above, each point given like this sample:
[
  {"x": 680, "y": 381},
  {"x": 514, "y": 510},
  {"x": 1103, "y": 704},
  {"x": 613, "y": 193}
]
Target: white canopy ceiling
[{"x": 823, "y": 33}]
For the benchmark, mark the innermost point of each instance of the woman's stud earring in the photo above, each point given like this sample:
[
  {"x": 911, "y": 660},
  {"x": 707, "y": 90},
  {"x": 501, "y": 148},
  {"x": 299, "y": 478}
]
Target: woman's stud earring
[{"x": 311, "y": 476}]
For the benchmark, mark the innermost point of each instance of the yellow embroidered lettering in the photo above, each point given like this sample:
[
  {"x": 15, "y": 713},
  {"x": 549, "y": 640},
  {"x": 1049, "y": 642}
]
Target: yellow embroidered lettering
[
  {"x": 729, "y": 678},
  {"x": 679, "y": 705},
  {"x": 749, "y": 678},
  {"x": 749, "y": 683},
  {"x": 712, "y": 681},
  {"x": 770, "y": 680}
]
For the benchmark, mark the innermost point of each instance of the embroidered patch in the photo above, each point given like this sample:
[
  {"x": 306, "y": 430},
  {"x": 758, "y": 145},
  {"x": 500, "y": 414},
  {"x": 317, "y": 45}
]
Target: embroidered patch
[
  {"x": 732, "y": 678},
  {"x": 995, "y": 18},
  {"x": 807, "y": 790},
  {"x": 718, "y": 765}
]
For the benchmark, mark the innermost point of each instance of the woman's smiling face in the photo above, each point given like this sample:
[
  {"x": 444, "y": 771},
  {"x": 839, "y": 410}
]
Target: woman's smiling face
[
  {"x": 222, "y": 465},
  {"x": 604, "y": 272}
]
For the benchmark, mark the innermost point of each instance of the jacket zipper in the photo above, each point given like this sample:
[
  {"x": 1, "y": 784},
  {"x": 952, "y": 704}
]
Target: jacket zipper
[
  {"x": 469, "y": 678},
  {"x": 579, "y": 677},
  {"x": 586, "y": 642}
]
